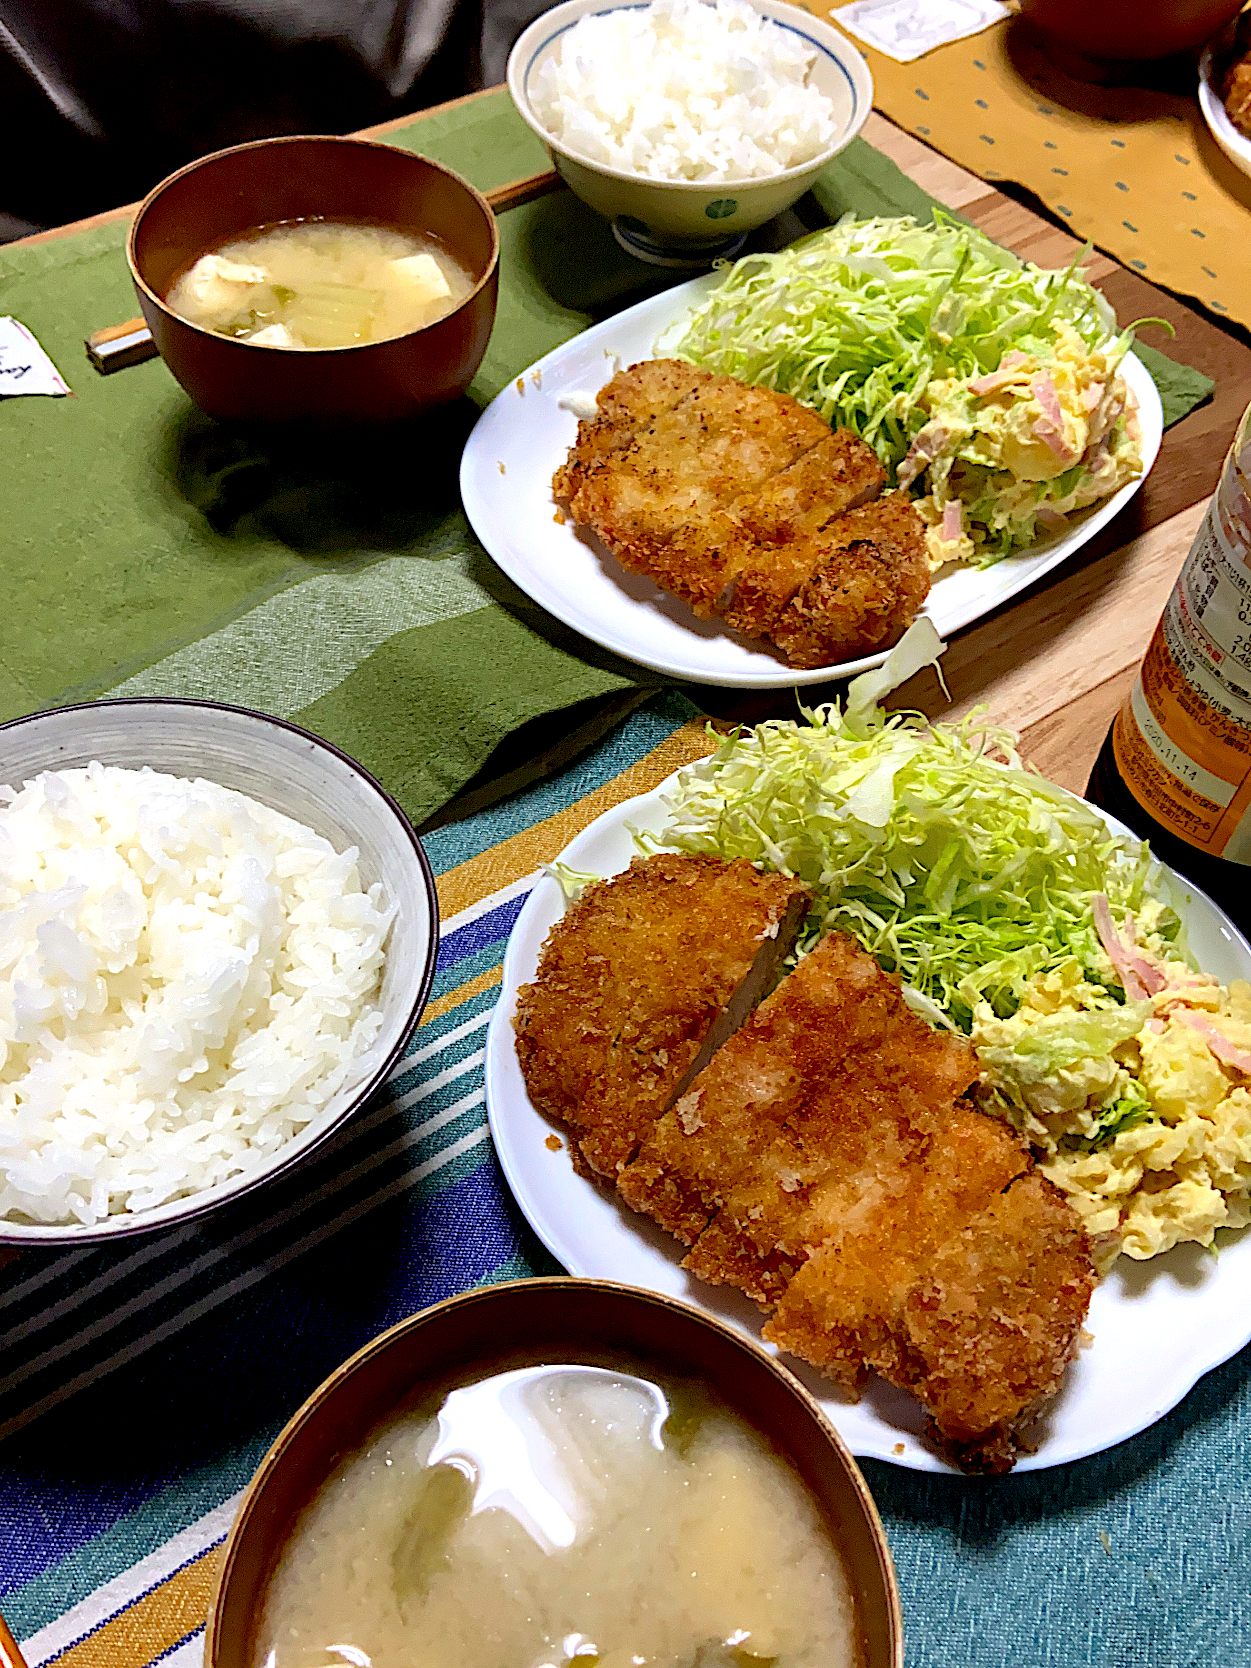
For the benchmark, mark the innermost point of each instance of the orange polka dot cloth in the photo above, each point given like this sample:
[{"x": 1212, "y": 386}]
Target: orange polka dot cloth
[{"x": 1134, "y": 169}]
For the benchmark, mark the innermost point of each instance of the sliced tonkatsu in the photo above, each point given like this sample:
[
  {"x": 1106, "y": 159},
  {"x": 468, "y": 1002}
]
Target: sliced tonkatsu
[
  {"x": 771, "y": 550},
  {"x": 821, "y": 1155},
  {"x": 869, "y": 576},
  {"x": 660, "y": 502},
  {"x": 638, "y": 981},
  {"x": 625, "y": 406},
  {"x": 827, "y": 1164}
]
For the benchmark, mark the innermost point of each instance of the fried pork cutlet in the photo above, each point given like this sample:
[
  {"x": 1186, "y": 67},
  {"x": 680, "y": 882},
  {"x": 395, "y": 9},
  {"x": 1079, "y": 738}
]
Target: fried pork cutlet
[
  {"x": 992, "y": 1322},
  {"x": 872, "y": 576},
  {"x": 825, "y": 1164},
  {"x": 659, "y": 503},
  {"x": 770, "y": 545},
  {"x": 638, "y": 983},
  {"x": 733, "y": 498},
  {"x": 624, "y": 405}
]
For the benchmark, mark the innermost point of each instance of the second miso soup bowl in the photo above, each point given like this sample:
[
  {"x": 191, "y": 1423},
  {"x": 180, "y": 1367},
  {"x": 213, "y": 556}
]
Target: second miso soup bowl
[
  {"x": 221, "y": 197},
  {"x": 553, "y": 1320}
]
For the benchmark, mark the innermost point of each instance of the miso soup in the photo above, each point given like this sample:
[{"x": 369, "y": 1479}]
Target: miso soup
[
  {"x": 561, "y": 1517},
  {"x": 321, "y": 284}
]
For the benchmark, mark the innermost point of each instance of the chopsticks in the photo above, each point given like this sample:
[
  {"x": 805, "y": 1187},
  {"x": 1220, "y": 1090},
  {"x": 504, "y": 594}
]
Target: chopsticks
[
  {"x": 10, "y": 1655},
  {"x": 517, "y": 192},
  {"x": 117, "y": 346}
]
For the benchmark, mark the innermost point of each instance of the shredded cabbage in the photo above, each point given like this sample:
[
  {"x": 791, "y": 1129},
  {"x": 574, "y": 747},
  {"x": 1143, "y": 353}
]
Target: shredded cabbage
[
  {"x": 881, "y": 325},
  {"x": 956, "y": 866},
  {"x": 1064, "y": 1039},
  {"x": 572, "y": 882}
]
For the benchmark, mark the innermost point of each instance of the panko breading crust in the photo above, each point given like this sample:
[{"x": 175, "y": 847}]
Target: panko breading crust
[
  {"x": 630, "y": 984},
  {"x": 826, "y": 1163},
  {"x": 735, "y": 499},
  {"x": 871, "y": 579}
]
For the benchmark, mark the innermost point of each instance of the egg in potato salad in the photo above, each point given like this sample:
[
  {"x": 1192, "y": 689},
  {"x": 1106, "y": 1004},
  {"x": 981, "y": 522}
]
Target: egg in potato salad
[
  {"x": 1024, "y": 447},
  {"x": 1139, "y": 1110}
]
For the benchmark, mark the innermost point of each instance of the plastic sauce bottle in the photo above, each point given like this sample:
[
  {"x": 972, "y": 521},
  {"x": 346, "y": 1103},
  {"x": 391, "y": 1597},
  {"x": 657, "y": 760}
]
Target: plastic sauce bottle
[{"x": 1176, "y": 764}]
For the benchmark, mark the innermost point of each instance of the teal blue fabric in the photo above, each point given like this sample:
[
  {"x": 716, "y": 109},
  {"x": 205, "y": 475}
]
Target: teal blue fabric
[{"x": 1013, "y": 1573}]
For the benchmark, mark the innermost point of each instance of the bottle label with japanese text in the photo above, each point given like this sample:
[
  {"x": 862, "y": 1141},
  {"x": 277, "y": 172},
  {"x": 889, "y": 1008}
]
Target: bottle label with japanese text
[{"x": 1182, "y": 741}]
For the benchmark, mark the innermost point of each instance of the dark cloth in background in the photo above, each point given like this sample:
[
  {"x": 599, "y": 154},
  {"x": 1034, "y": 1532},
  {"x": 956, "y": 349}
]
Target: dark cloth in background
[{"x": 100, "y": 99}]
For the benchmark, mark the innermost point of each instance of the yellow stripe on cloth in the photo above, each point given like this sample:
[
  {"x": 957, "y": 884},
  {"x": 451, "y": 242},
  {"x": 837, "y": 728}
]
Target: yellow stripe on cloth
[
  {"x": 463, "y": 993},
  {"x": 492, "y": 870},
  {"x": 153, "y": 1624}
]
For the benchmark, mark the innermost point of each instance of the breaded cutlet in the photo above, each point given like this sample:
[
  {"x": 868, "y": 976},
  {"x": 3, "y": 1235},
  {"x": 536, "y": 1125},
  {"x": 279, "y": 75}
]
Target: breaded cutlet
[
  {"x": 628, "y": 403},
  {"x": 815, "y": 1116},
  {"x": 844, "y": 1311},
  {"x": 817, "y": 1063},
  {"x": 826, "y": 1164},
  {"x": 636, "y": 984},
  {"x": 771, "y": 552},
  {"x": 659, "y": 502},
  {"x": 870, "y": 575},
  {"x": 994, "y": 1320},
  {"x": 734, "y": 498}
]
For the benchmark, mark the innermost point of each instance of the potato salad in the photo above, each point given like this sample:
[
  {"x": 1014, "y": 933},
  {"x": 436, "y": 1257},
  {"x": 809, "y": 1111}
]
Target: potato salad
[{"x": 1140, "y": 1110}]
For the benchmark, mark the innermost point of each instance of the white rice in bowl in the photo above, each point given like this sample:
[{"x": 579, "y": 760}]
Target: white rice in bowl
[
  {"x": 685, "y": 90},
  {"x": 185, "y": 979}
]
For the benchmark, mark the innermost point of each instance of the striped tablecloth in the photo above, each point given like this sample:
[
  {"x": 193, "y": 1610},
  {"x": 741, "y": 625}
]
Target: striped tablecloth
[{"x": 139, "y": 1387}]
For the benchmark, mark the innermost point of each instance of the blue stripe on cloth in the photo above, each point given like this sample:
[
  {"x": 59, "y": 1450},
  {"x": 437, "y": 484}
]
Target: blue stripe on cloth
[
  {"x": 452, "y": 974},
  {"x": 496, "y": 923}
]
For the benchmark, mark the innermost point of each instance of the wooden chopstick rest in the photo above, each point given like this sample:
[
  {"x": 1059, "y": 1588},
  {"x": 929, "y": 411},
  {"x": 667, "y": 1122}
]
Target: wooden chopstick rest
[{"x": 119, "y": 345}]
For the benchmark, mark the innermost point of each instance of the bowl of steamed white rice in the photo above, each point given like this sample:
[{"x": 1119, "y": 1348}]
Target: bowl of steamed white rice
[
  {"x": 217, "y": 935},
  {"x": 688, "y": 123}
]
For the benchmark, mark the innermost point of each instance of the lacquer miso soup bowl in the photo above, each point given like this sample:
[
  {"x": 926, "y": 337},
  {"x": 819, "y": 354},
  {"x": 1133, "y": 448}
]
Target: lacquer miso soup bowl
[
  {"x": 549, "y": 1321},
  {"x": 270, "y": 182}
]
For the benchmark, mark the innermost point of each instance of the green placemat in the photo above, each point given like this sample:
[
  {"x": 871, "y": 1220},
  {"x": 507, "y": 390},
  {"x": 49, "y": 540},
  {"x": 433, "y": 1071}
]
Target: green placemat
[{"x": 147, "y": 550}]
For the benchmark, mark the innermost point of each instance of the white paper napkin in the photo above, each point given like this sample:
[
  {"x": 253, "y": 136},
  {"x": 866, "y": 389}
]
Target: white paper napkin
[
  {"x": 907, "y": 29},
  {"x": 24, "y": 367}
]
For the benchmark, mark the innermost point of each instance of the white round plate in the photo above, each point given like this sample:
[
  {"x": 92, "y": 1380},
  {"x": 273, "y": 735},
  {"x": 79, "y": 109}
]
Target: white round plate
[
  {"x": 524, "y": 435},
  {"x": 1157, "y": 1326}
]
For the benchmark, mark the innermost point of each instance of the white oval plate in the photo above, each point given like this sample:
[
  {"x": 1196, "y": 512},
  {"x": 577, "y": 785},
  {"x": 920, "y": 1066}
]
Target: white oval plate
[
  {"x": 1157, "y": 1326},
  {"x": 506, "y": 485}
]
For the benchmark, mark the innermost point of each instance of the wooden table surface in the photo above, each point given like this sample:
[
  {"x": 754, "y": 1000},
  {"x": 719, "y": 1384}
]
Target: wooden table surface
[{"x": 1056, "y": 663}]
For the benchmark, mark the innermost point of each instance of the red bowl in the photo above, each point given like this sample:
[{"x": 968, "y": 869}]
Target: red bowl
[
  {"x": 1130, "y": 30},
  {"x": 223, "y": 196},
  {"x": 494, "y": 1327}
]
